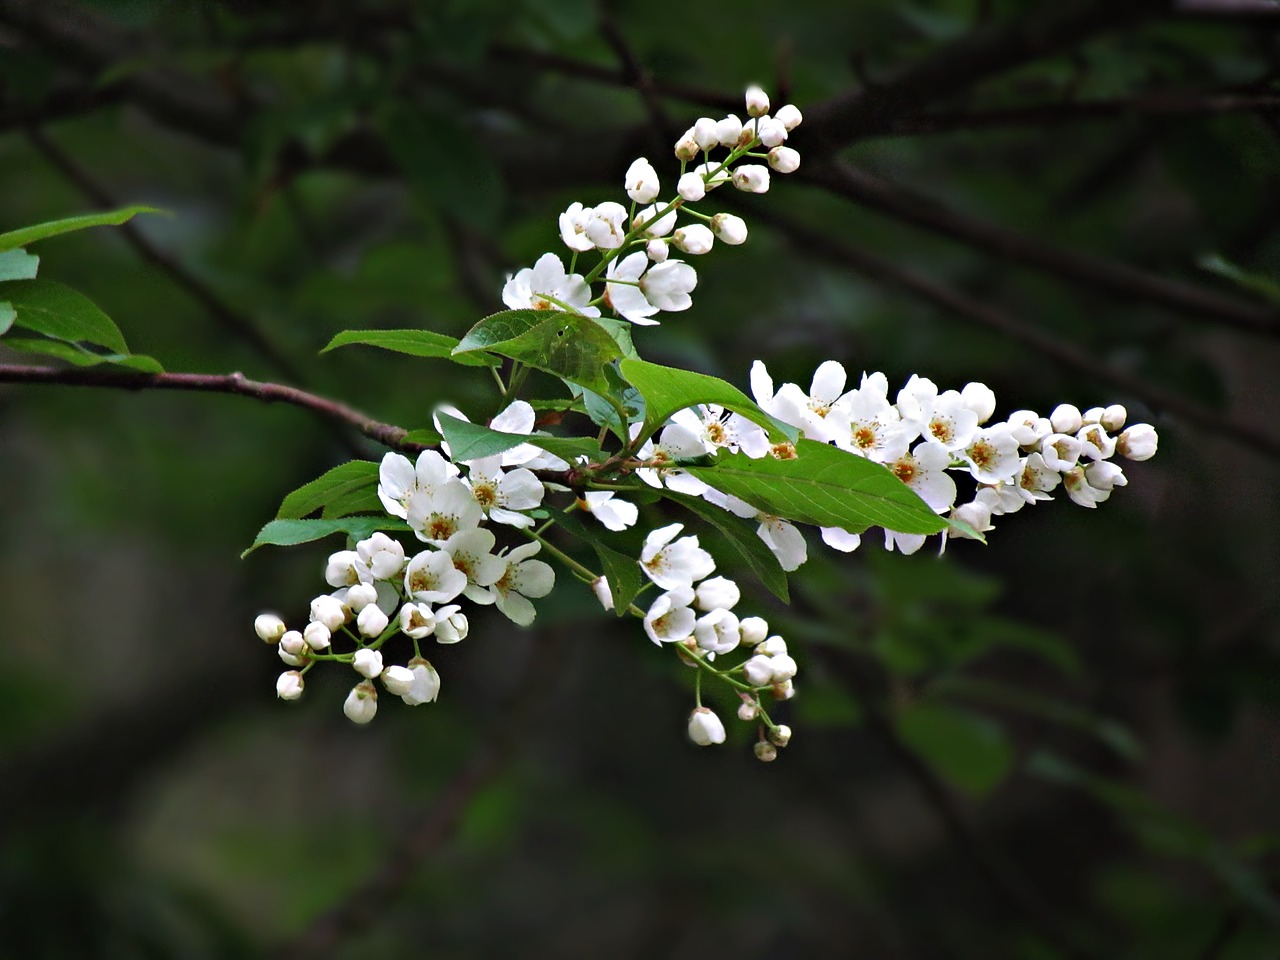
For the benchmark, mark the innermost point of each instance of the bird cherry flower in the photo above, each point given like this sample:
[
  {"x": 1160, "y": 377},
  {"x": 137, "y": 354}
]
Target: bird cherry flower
[
  {"x": 616, "y": 514},
  {"x": 672, "y": 563},
  {"x": 642, "y": 181},
  {"x": 361, "y": 704},
  {"x": 670, "y": 618},
  {"x": 705, "y": 728},
  {"x": 431, "y": 577},
  {"x": 573, "y": 227},
  {"x": 502, "y": 495},
  {"x": 523, "y": 578},
  {"x": 547, "y": 286}
]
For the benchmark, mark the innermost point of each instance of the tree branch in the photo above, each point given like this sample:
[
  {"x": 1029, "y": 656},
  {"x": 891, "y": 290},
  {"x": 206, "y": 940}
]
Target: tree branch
[
  {"x": 236, "y": 383},
  {"x": 986, "y": 52},
  {"x": 1062, "y": 352},
  {"x": 1041, "y": 114},
  {"x": 1113, "y": 278}
]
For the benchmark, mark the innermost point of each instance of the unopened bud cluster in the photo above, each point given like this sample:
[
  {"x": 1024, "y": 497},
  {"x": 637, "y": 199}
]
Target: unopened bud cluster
[{"x": 640, "y": 244}]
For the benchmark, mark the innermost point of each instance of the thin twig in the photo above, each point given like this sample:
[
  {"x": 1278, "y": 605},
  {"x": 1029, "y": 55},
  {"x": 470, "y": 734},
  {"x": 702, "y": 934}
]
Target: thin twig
[
  {"x": 1167, "y": 104},
  {"x": 1060, "y": 351},
  {"x": 223, "y": 314},
  {"x": 1118, "y": 279},
  {"x": 235, "y": 383}
]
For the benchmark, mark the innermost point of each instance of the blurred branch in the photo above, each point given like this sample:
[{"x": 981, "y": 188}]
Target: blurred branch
[
  {"x": 990, "y": 50},
  {"x": 1044, "y": 114},
  {"x": 1114, "y": 278},
  {"x": 368, "y": 902},
  {"x": 236, "y": 383},
  {"x": 993, "y": 870},
  {"x": 222, "y": 313},
  {"x": 1060, "y": 351},
  {"x": 637, "y": 77}
]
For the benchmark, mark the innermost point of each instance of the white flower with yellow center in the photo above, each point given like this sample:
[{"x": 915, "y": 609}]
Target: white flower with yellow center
[
  {"x": 547, "y": 286},
  {"x": 500, "y": 495},
  {"x": 522, "y": 579},
  {"x": 672, "y": 563}
]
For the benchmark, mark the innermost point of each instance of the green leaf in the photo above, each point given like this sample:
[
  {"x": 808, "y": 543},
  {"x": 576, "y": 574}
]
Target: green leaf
[
  {"x": 359, "y": 500},
  {"x": 1255, "y": 283},
  {"x": 287, "y": 533},
  {"x": 741, "y": 535},
  {"x": 566, "y": 345},
  {"x": 40, "y": 231},
  {"x": 668, "y": 389},
  {"x": 56, "y": 310},
  {"x": 416, "y": 343},
  {"x": 623, "y": 573},
  {"x": 7, "y": 316},
  {"x": 970, "y": 751},
  {"x": 81, "y": 357},
  {"x": 18, "y": 265},
  {"x": 472, "y": 441},
  {"x": 340, "y": 481},
  {"x": 825, "y": 486}
]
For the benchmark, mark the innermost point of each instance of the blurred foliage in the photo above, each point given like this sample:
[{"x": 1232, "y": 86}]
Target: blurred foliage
[{"x": 1080, "y": 716}]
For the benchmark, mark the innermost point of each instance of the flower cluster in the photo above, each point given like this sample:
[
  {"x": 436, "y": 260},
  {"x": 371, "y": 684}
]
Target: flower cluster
[
  {"x": 695, "y": 613},
  {"x": 641, "y": 277},
  {"x": 381, "y": 591}
]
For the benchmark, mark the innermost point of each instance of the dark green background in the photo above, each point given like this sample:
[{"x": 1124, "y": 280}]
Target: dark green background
[{"x": 1062, "y": 744}]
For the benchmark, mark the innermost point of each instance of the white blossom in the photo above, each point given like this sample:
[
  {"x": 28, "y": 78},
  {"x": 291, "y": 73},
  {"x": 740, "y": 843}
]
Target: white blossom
[
  {"x": 360, "y": 596},
  {"x": 657, "y": 250},
  {"x": 607, "y": 227},
  {"x": 417, "y": 620},
  {"x": 729, "y": 131},
  {"x": 771, "y": 131},
  {"x": 396, "y": 680},
  {"x": 450, "y": 510},
  {"x": 501, "y": 495},
  {"x": 614, "y": 513},
  {"x": 328, "y": 611},
  {"x": 642, "y": 181},
  {"x": 979, "y": 398},
  {"x": 784, "y": 159},
  {"x": 472, "y": 553},
  {"x": 1066, "y": 418},
  {"x": 729, "y": 228},
  {"x": 1037, "y": 479},
  {"x": 1028, "y": 427},
  {"x": 992, "y": 454},
  {"x": 367, "y": 663},
  {"x": 650, "y": 224},
  {"x": 1113, "y": 418},
  {"x": 672, "y": 563},
  {"x": 785, "y": 540},
  {"x": 346, "y": 568},
  {"x": 382, "y": 555},
  {"x": 693, "y": 238},
  {"x": 573, "y": 227},
  {"x": 426, "y": 683},
  {"x": 451, "y": 626},
  {"x": 691, "y": 187},
  {"x": 623, "y": 292},
  {"x": 523, "y": 578},
  {"x": 362, "y": 703},
  {"x": 1076, "y": 482},
  {"x": 717, "y": 593},
  {"x": 293, "y": 643},
  {"x": 269, "y": 627},
  {"x": 1103, "y": 475},
  {"x": 1060, "y": 451},
  {"x": 1139, "y": 442},
  {"x": 705, "y": 728},
  {"x": 1095, "y": 444},
  {"x": 751, "y": 177},
  {"x": 705, "y": 134},
  {"x": 667, "y": 285},
  {"x": 670, "y": 618},
  {"x": 757, "y": 101},
  {"x": 600, "y": 587},
  {"x": 289, "y": 685},
  {"x": 924, "y": 471},
  {"x": 754, "y": 630},
  {"x": 317, "y": 636},
  {"x": 842, "y": 540},
  {"x": 399, "y": 481},
  {"x": 371, "y": 621},
  {"x": 431, "y": 577},
  {"x": 789, "y": 115},
  {"x": 547, "y": 286},
  {"x": 717, "y": 631}
]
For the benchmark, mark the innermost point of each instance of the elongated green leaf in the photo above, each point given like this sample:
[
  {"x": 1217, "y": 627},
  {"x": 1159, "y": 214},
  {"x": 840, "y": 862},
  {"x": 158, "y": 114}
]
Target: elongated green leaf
[
  {"x": 341, "y": 480},
  {"x": 80, "y": 356},
  {"x": 40, "y": 231},
  {"x": 56, "y": 310},
  {"x": 668, "y": 389},
  {"x": 969, "y": 750},
  {"x": 287, "y": 533},
  {"x": 825, "y": 486},
  {"x": 1264, "y": 287},
  {"x": 18, "y": 265},
  {"x": 359, "y": 500},
  {"x": 416, "y": 343},
  {"x": 472, "y": 441},
  {"x": 565, "y": 345},
  {"x": 741, "y": 535},
  {"x": 7, "y": 316}
]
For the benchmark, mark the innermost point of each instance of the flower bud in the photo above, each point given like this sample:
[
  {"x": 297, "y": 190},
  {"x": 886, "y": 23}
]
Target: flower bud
[
  {"x": 293, "y": 643},
  {"x": 784, "y": 691},
  {"x": 712, "y": 174},
  {"x": 291, "y": 659},
  {"x": 766, "y": 752},
  {"x": 772, "y": 647},
  {"x": 789, "y": 116},
  {"x": 1104, "y": 475},
  {"x": 600, "y": 587},
  {"x": 754, "y": 630},
  {"x": 780, "y": 735},
  {"x": 757, "y": 101},
  {"x": 784, "y": 667},
  {"x": 979, "y": 398},
  {"x": 360, "y": 596},
  {"x": 784, "y": 159},
  {"x": 687, "y": 146},
  {"x": 717, "y": 632},
  {"x": 417, "y": 620},
  {"x": 771, "y": 132},
  {"x": 691, "y": 187},
  {"x": 383, "y": 555},
  {"x": 693, "y": 238},
  {"x": 1113, "y": 418},
  {"x": 367, "y": 663},
  {"x": 656, "y": 250},
  {"x": 344, "y": 569},
  {"x": 729, "y": 130},
  {"x": 397, "y": 680},
  {"x": 289, "y": 685},
  {"x": 372, "y": 621},
  {"x": 751, "y": 178},
  {"x": 748, "y": 711},
  {"x": 328, "y": 611},
  {"x": 705, "y": 135},
  {"x": 718, "y": 593},
  {"x": 1091, "y": 416},
  {"x": 268, "y": 627},
  {"x": 451, "y": 626},
  {"x": 362, "y": 703},
  {"x": 729, "y": 228},
  {"x": 759, "y": 671},
  {"x": 1139, "y": 442},
  {"x": 317, "y": 636},
  {"x": 648, "y": 221},
  {"x": 641, "y": 181},
  {"x": 1066, "y": 419},
  {"x": 705, "y": 727},
  {"x": 426, "y": 683}
]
